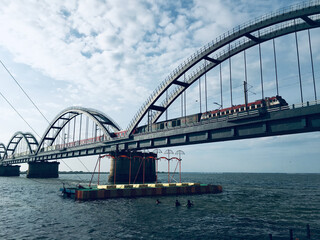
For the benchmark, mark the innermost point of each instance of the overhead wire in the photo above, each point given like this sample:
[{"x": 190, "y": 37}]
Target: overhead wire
[
  {"x": 33, "y": 103},
  {"x": 19, "y": 114},
  {"x": 24, "y": 91}
]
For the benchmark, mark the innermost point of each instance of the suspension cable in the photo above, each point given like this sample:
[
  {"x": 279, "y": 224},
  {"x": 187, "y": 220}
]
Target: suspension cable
[
  {"x": 261, "y": 73},
  {"x": 221, "y": 86},
  {"x": 200, "y": 94},
  {"x": 297, "y": 48},
  {"x": 205, "y": 84},
  {"x": 230, "y": 77},
  {"x": 275, "y": 65},
  {"x": 312, "y": 67}
]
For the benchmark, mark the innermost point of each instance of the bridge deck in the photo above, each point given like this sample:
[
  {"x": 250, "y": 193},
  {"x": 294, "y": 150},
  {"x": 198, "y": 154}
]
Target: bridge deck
[{"x": 296, "y": 120}]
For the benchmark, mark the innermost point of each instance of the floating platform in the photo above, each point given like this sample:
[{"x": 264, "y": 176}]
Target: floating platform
[{"x": 139, "y": 190}]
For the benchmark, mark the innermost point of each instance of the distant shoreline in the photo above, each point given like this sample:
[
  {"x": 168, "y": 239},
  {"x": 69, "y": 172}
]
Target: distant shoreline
[
  {"x": 72, "y": 172},
  {"x": 81, "y": 172}
]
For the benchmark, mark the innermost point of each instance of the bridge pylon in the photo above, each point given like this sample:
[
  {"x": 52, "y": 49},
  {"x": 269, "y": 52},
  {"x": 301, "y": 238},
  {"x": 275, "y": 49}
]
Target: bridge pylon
[
  {"x": 43, "y": 170},
  {"x": 131, "y": 167},
  {"x": 9, "y": 170}
]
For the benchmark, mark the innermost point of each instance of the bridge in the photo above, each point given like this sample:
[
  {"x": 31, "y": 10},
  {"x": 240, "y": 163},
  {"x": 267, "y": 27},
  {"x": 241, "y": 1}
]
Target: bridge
[{"x": 79, "y": 131}]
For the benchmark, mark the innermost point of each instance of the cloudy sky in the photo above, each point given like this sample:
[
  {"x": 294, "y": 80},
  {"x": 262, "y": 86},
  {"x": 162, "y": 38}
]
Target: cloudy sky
[{"x": 110, "y": 55}]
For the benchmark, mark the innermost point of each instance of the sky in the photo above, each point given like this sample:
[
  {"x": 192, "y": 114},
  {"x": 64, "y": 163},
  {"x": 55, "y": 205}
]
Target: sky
[{"x": 110, "y": 56}]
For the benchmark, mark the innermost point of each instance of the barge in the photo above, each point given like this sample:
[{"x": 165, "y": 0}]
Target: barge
[{"x": 139, "y": 190}]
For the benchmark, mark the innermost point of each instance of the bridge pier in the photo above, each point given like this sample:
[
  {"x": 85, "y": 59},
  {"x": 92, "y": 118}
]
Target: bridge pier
[
  {"x": 139, "y": 167},
  {"x": 43, "y": 170},
  {"x": 9, "y": 170}
]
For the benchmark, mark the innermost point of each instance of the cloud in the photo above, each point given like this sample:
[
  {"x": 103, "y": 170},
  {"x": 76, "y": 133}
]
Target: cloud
[{"x": 110, "y": 55}]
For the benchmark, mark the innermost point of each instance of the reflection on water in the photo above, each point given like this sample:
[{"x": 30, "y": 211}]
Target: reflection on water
[{"x": 251, "y": 207}]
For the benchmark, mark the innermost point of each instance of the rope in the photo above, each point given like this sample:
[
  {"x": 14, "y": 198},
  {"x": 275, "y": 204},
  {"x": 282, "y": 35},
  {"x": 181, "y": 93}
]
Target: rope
[
  {"x": 137, "y": 172},
  {"x": 72, "y": 170},
  {"x": 94, "y": 171},
  {"x": 174, "y": 172}
]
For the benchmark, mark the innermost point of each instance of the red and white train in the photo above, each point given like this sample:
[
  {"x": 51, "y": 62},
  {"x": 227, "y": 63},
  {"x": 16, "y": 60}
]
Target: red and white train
[
  {"x": 262, "y": 104},
  {"x": 267, "y": 103}
]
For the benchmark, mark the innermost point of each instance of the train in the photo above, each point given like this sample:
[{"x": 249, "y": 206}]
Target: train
[{"x": 260, "y": 105}]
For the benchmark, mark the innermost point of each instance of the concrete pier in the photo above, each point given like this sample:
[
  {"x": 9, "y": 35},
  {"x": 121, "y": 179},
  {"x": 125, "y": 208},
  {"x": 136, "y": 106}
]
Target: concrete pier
[
  {"x": 142, "y": 167},
  {"x": 9, "y": 170},
  {"x": 43, "y": 170}
]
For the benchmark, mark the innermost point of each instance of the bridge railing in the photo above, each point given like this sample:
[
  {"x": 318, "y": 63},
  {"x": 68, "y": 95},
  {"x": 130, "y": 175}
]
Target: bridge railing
[
  {"x": 305, "y": 104},
  {"x": 77, "y": 143},
  {"x": 233, "y": 117}
]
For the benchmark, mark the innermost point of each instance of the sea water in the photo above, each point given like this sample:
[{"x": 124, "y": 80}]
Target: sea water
[{"x": 252, "y": 206}]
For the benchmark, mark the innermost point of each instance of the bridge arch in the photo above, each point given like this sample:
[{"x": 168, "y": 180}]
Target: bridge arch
[
  {"x": 65, "y": 116},
  {"x": 3, "y": 151},
  {"x": 288, "y": 20},
  {"x": 31, "y": 141}
]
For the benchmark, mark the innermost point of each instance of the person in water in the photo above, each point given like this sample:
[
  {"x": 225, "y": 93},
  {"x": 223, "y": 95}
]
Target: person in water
[
  {"x": 177, "y": 203},
  {"x": 158, "y": 201},
  {"x": 189, "y": 203}
]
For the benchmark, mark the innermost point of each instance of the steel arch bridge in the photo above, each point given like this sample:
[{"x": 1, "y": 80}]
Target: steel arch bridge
[
  {"x": 3, "y": 151},
  {"x": 63, "y": 118},
  {"x": 31, "y": 141},
  {"x": 292, "y": 19},
  {"x": 288, "y": 20}
]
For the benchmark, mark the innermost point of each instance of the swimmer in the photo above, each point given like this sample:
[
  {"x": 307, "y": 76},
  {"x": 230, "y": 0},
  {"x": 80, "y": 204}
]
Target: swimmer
[
  {"x": 158, "y": 201},
  {"x": 177, "y": 203},
  {"x": 189, "y": 204}
]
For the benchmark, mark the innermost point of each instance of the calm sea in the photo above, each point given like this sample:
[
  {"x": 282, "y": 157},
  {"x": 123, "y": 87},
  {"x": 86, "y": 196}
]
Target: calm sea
[{"x": 252, "y": 206}]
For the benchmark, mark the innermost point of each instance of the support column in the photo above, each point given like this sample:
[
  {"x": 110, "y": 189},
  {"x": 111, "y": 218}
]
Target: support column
[
  {"x": 142, "y": 167},
  {"x": 43, "y": 170},
  {"x": 9, "y": 170}
]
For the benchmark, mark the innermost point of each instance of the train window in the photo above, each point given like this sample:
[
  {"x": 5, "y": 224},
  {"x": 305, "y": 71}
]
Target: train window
[
  {"x": 242, "y": 109},
  {"x": 227, "y": 112},
  {"x": 179, "y": 122},
  {"x": 161, "y": 126},
  {"x": 174, "y": 123}
]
